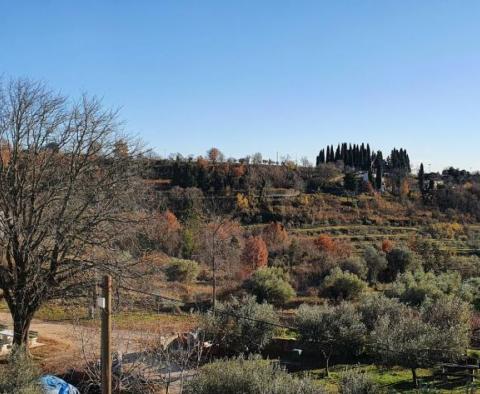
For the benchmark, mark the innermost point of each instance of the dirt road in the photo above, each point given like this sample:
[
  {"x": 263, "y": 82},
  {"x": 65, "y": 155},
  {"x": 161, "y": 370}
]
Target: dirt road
[{"x": 61, "y": 343}]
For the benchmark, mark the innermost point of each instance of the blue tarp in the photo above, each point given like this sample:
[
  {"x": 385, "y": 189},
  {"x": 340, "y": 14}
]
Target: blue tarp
[{"x": 53, "y": 385}]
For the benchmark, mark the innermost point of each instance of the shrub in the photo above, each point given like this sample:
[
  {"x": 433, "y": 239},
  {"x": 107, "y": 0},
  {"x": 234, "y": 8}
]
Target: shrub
[
  {"x": 434, "y": 257},
  {"x": 400, "y": 260},
  {"x": 468, "y": 266},
  {"x": 341, "y": 285},
  {"x": 354, "y": 265},
  {"x": 234, "y": 334},
  {"x": 182, "y": 270},
  {"x": 414, "y": 288},
  {"x": 325, "y": 243},
  {"x": 375, "y": 261},
  {"x": 356, "y": 381},
  {"x": 471, "y": 291},
  {"x": 387, "y": 245},
  {"x": 20, "y": 375},
  {"x": 270, "y": 284},
  {"x": 248, "y": 376}
]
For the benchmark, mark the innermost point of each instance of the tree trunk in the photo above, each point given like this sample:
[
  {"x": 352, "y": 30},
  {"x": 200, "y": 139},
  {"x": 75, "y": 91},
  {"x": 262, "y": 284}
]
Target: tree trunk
[
  {"x": 21, "y": 327},
  {"x": 327, "y": 367},
  {"x": 414, "y": 377}
]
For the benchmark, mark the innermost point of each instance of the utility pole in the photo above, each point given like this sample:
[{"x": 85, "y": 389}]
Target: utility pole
[{"x": 106, "y": 338}]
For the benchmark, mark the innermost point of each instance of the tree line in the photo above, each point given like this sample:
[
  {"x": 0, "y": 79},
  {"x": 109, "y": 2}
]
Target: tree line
[{"x": 362, "y": 157}]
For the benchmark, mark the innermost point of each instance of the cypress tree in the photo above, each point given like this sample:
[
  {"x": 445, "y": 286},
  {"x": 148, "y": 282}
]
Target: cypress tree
[
  {"x": 379, "y": 176},
  {"x": 344, "y": 152},
  {"x": 363, "y": 163},
  {"x": 421, "y": 179},
  {"x": 338, "y": 155},
  {"x": 350, "y": 156}
]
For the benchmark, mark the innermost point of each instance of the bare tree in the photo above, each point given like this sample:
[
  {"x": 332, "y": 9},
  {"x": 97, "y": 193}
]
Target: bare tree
[
  {"x": 219, "y": 244},
  {"x": 305, "y": 162},
  {"x": 66, "y": 186},
  {"x": 257, "y": 158},
  {"x": 219, "y": 238}
]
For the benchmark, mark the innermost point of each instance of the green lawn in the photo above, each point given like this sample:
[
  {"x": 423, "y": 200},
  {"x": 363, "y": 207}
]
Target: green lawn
[
  {"x": 393, "y": 380},
  {"x": 126, "y": 320}
]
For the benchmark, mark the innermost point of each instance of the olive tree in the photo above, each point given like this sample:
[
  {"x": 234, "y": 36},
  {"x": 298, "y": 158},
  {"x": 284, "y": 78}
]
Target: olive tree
[
  {"x": 270, "y": 284},
  {"x": 376, "y": 263},
  {"x": 66, "y": 185},
  {"x": 331, "y": 330},
  {"x": 438, "y": 333},
  {"x": 240, "y": 325}
]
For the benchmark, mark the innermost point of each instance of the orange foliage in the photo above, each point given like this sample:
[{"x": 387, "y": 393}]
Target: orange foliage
[
  {"x": 336, "y": 248},
  {"x": 171, "y": 221},
  {"x": 325, "y": 243},
  {"x": 163, "y": 230},
  {"x": 275, "y": 235},
  {"x": 387, "y": 245},
  {"x": 255, "y": 253}
]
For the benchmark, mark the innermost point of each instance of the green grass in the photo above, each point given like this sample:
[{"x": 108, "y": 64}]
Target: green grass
[
  {"x": 130, "y": 320},
  {"x": 392, "y": 380},
  {"x": 52, "y": 312}
]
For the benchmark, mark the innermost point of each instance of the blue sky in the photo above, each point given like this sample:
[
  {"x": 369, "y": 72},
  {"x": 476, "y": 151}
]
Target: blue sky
[{"x": 264, "y": 75}]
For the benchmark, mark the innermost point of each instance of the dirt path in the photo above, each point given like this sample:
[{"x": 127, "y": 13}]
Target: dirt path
[
  {"x": 66, "y": 346},
  {"x": 61, "y": 343}
]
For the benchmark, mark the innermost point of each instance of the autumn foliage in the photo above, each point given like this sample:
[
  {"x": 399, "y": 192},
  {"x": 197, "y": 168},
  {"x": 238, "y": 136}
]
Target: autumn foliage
[
  {"x": 170, "y": 220},
  {"x": 325, "y": 243},
  {"x": 335, "y": 248},
  {"x": 387, "y": 245},
  {"x": 214, "y": 155},
  {"x": 163, "y": 232},
  {"x": 275, "y": 235},
  {"x": 255, "y": 253}
]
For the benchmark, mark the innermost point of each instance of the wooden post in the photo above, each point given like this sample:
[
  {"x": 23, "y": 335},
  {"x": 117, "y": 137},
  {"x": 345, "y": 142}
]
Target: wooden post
[{"x": 106, "y": 339}]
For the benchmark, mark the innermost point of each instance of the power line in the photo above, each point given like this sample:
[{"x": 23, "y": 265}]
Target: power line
[
  {"x": 278, "y": 325},
  {"x": 233, "y": 314}
]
